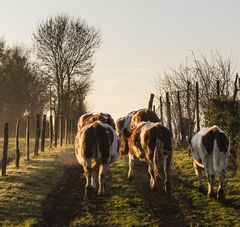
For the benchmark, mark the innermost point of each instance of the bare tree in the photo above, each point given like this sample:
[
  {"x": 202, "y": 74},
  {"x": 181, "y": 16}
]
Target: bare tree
[
  {"x": 65, "y": 47},
  {"x": 207, "y": 71}
]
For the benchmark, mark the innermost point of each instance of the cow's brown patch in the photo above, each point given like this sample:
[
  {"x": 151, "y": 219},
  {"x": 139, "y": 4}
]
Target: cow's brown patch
[
  {"x": 104, "y": 136},
  {"x": 123, "y": 141},
  {"x": 89, "y": 142},
  {"x": 165, "y": 137},
  {"x": 120, "y": 124}
]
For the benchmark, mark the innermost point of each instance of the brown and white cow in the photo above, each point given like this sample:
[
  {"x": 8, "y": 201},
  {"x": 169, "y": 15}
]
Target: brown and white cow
[
  {"x": 137, "y": 116},
  {"x": 209, "y": 149},
  {"x": 96, "y": 146},
  {"x": 147, "y": 142},
  {"x": 124, "y": 122},
  {"x": 143, "y": 115},
  {"x": 89, "y": 118}
]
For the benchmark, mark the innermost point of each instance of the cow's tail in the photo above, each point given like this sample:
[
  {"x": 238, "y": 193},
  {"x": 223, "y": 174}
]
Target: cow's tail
[{"x": 156, "y": 157}]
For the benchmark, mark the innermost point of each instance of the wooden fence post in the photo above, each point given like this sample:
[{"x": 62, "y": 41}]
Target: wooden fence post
[
  {"x": 189, "y": 111},
  {"x": 5, "y": 150},
  {"x": 169, "y": 120},
  {"x": 161, "y": 111},
  {"x": 218, "y": 88},
  {"x": 150, "y": 103},
  {"x": 197, "y": 106},
  {"x": 37, "y": 136},
  {"x": 27, "y": 138},
  {"x": 182, "y": 131},
  {"x": 56, "y": 131},
  {"x": 17, "y": 151},
  {"x": 66, "y": 131},
  {"x": 50, "y": 131},
  {"x": 43, "y": 133}
]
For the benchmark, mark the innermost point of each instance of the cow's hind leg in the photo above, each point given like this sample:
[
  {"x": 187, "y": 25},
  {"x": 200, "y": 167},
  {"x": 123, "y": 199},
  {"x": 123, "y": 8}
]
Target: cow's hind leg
[
  {"x": 198, "y": 171},
  {"x": 220, "y": 191},
  {"x": 210, "y": 178},
  {"x": 167, "y": 172},
  {"x": 131, "y": 162},
  {"x": 152, "y": 176},
  {"x": 88, "y": 188},
  {"x": 210, "y": 175},
  {"x": 101, "y": 178}
]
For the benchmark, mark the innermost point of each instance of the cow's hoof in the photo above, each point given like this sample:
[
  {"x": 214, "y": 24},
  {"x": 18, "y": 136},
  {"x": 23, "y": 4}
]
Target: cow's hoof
[
  {"x": 210, "y": 195},
  {"x": 153, "y": 188},
  {"x": 101, "y": 194},
  {"x": 220, "y": 196},
  {"x": 88, "y": 192},
  {"x": 168, "y": 187},
  {"x": 200, "y": 189},
  {"x": 94, "y": 190},
  {"x": 130, "y": 178}
]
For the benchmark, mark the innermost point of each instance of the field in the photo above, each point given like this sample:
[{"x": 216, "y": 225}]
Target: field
[{"x": 49, "y": 191}]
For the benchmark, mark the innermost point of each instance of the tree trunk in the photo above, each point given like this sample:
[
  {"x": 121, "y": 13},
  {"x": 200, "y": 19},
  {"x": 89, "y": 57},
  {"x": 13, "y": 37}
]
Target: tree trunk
[
  {"x": 27, "y": 138},
  {"x": 43, "y": 133},
  {"x": 37, "y": 136}
]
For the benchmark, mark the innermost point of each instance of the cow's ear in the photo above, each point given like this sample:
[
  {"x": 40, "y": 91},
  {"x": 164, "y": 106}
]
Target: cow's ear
[{"x": 126, "y": 133}]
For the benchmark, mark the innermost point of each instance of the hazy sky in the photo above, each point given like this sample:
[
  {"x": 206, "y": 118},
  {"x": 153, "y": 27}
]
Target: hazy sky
[{"x": 140, "y": 39}]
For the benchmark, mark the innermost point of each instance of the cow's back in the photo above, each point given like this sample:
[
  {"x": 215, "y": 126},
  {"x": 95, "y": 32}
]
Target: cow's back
[{"x": 143, "y": 115}]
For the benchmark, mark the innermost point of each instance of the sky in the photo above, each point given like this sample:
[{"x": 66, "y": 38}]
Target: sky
[{"x": 140, "y": 40}]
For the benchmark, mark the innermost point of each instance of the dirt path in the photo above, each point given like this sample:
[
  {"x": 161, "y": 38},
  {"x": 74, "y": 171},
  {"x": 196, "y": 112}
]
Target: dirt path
[{"x": 125, "y": 203}]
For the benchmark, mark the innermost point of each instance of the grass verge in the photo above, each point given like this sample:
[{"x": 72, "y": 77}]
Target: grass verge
[
  {"x": 206, "y": 211},
  {"x": 23, "y": 190}
]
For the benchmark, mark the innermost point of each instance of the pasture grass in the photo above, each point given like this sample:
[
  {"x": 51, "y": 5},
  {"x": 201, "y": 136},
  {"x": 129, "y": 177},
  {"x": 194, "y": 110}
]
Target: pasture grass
[
  {"x": 206, "y": 211},
  {"x": 23, "y": 190}
]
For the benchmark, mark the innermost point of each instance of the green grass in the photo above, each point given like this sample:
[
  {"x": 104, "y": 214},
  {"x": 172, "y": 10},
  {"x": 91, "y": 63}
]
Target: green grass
[
  {"x": 23, "y": 190},
  {"x": 206, "y": 211}
]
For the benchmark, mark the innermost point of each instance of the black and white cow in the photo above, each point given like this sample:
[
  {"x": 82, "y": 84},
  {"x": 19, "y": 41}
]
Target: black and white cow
[
  {"x": 96, "y": 146},
  {"x": 209, "y": 149},
  {"x": 147, "y": 142}
]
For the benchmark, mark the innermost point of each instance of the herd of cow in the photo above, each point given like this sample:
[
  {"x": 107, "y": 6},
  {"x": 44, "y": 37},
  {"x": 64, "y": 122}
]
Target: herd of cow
[{"x": 139, "y": 135}]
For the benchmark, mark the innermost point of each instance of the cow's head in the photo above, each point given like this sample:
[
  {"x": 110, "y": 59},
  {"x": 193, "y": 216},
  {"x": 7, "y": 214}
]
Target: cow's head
[{"x": 123, "y": 137}]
